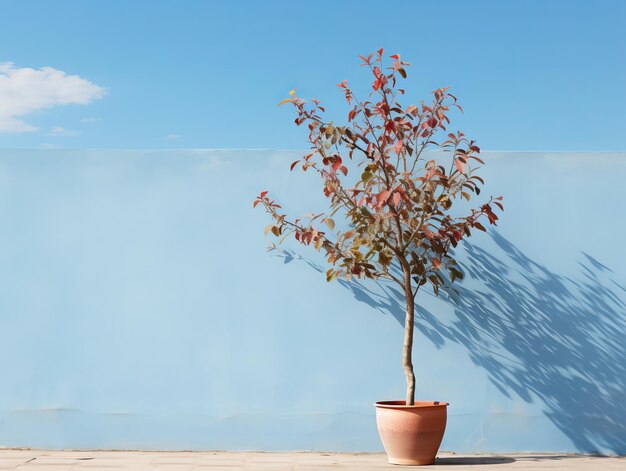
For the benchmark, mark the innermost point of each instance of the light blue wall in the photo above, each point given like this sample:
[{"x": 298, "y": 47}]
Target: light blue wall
[{"x": 139, "y": 309}]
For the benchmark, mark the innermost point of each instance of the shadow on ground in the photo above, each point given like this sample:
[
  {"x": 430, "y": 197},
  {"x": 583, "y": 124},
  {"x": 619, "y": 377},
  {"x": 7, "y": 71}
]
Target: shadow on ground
[
  {"x": 535, "y": 332},
  {"x": 474, "y": 460}
]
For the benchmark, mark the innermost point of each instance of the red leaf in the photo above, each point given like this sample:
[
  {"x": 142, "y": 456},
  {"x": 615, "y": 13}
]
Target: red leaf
[
  {"x": 398, "y": 147},
  {"x": 337, "y": 164},
  {"x": 255, "y": 203},
  {"x": 396, "y": 57},
  {"x": 479, "y": 226},
  {"x": 459, "y": 165},
  {"x": 294, "y": 164},
  {"x": 263, "y": 193},
  {"x": 366, "y": 59}
]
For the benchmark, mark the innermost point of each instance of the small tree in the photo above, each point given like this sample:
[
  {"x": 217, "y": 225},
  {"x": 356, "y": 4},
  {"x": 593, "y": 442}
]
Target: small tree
[{"x": 396, "y": 209}]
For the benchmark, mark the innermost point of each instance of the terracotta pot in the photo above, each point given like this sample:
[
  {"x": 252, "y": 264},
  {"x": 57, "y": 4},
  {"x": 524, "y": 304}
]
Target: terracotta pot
[{"x": 411, "y": 435}]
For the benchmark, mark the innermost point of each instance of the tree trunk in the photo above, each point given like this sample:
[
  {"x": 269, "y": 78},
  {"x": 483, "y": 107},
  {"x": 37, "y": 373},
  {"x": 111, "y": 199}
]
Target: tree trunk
[{"x": 407, "y": 351}]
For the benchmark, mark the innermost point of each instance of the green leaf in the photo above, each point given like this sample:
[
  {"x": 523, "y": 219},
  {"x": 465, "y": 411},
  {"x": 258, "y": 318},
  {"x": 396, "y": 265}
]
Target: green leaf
[{"x": 455, "y": 274}]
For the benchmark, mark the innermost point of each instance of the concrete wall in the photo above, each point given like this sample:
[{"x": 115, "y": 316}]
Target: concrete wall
[{"x": 139, "y": 309}]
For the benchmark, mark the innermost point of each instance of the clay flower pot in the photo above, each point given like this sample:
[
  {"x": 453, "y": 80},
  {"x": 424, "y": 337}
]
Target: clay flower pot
[{"x": 411, "y": 435}]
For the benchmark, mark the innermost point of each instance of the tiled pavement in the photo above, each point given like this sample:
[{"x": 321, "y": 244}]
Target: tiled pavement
[{"x": 40, "y": 460}]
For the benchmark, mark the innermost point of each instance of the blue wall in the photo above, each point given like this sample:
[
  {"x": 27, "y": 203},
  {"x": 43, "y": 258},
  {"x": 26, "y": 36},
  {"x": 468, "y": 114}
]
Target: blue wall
[{"x": 139, "y": 309}]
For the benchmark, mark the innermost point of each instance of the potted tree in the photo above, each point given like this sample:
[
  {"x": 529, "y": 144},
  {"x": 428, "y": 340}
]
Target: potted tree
[{"x": 393, "y": 200}]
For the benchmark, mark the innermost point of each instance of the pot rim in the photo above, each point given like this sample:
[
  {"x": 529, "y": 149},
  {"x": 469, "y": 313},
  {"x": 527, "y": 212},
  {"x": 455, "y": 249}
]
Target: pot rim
[{"x": 416, "y": 405}]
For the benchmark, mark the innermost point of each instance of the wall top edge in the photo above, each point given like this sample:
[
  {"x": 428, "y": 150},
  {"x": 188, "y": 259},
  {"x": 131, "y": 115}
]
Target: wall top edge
[{"x": 212, "y": 149}]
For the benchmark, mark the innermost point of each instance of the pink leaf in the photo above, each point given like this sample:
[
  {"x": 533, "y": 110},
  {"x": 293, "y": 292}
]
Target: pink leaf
[
  {"x": 382, "y": 197},
  {"x": 411, "y": 109}
]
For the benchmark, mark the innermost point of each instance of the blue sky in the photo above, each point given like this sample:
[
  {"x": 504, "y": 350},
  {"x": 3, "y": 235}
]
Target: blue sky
[{"x": 532, "y": 75}]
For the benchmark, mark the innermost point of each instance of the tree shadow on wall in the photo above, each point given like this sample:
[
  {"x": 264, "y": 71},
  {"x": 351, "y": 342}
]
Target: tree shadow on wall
[
  {"x": 561, "y": 338},
  {"x": 535, "y": 332}
]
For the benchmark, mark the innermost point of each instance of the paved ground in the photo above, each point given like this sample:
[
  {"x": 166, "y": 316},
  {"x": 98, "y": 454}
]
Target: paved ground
[{"x": 38, "y": 460}]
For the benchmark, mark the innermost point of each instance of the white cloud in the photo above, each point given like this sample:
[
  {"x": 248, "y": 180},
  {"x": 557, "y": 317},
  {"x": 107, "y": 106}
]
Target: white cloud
[
  {"x": 58, "y": 131},
  {"x": 47, "y": 145},
  {"x": 172, "y": 136},
  {"x": 24, "y": 90},
  {"x": 89, "y": 120}
]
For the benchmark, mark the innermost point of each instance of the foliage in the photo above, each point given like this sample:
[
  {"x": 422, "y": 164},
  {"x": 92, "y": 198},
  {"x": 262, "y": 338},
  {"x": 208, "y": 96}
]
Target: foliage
[{"x": 398, "y": 206}]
